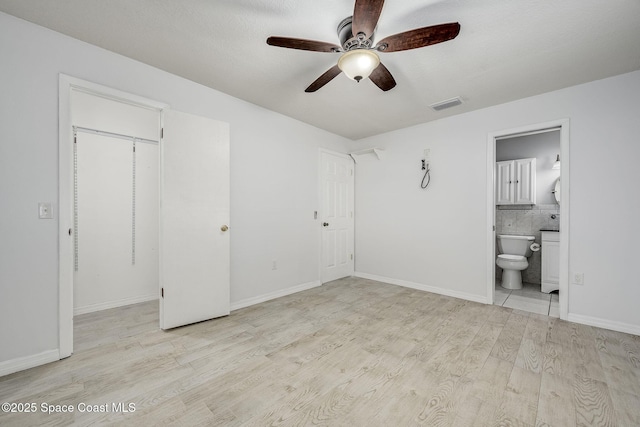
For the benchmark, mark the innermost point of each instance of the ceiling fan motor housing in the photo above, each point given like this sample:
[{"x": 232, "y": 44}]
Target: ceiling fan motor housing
[{"x": 350, "y": 41}]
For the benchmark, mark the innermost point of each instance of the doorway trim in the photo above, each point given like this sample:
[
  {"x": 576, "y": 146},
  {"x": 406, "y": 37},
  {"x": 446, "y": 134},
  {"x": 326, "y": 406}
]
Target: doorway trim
[
  {"x": 563, "y": 125},
  {"x": 65, "y": 193},
  {"x": 320, "y": 211}
]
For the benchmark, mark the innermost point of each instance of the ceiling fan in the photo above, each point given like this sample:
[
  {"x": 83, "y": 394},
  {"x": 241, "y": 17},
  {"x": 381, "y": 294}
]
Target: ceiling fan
[{"x": 359, "y": 58}]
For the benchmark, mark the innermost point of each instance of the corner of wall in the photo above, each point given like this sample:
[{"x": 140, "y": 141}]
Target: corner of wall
[{"x": 425, "y": 288}]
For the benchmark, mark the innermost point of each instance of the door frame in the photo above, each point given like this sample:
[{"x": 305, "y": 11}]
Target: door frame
[
  {"x": 320, "y": 215},
  {"x": 65, "y": 192},
  {"x": 563, "y": 125}
]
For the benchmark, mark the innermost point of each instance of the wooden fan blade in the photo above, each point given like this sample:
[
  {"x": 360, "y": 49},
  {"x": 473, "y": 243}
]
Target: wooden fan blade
[
  {"x": 382, "y": 78},
  {"x": 365, "y": 16},
  {"x": 303, "y": 44},
  {"x": 419, "y": 37},
  {"x": 324, "y": 79}
]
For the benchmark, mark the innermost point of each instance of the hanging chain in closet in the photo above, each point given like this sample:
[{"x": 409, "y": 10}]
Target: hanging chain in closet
[{"x": 133, "y": 206}]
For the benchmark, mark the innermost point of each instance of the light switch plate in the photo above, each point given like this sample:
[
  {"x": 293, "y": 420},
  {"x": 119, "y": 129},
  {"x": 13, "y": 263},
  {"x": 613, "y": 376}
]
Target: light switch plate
[
  {"x": 45, "y": 210},
  {"x": 578, "y": 278}
]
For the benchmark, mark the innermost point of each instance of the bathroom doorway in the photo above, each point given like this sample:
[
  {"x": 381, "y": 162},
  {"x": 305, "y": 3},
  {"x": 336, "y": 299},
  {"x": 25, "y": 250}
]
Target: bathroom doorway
[{"x": 524, "y": 204}]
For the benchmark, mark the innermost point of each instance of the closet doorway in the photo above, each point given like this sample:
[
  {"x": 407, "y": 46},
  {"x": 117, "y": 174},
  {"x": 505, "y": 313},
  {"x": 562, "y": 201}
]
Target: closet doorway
[
  {"x": 115, "y": 199},
  {"x": 143, "y": 208}
]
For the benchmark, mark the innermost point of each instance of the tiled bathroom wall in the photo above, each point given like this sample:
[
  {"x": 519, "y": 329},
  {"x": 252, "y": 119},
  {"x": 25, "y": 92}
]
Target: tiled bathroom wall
[{"x": 527, "y": 220}]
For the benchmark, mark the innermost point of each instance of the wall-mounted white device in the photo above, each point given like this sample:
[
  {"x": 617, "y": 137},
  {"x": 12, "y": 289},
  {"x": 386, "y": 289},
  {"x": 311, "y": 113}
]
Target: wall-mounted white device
[
  {"x": 427, "y": 155},
  {"x": 426, "y": 159},
  {"x": 45, "y": 210},
  {"x": 426, "y": 167}
]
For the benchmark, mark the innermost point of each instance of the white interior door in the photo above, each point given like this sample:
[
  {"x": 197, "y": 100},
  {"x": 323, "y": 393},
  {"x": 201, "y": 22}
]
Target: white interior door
[
  {"x": 194, "y": 242},
  {"x": 337, "y": 216}
]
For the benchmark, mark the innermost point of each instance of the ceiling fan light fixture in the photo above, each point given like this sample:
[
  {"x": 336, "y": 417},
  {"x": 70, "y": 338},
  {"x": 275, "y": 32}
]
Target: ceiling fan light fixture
[{"x": 358, "y": 64}]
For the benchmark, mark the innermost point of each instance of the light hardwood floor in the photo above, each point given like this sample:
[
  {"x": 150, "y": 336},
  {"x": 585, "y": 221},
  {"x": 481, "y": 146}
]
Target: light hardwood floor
[{"x": 353, "y": 352}]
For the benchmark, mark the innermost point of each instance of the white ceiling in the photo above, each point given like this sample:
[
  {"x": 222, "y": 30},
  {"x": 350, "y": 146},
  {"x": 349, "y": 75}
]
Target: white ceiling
[{"x": 506, "y": 50}]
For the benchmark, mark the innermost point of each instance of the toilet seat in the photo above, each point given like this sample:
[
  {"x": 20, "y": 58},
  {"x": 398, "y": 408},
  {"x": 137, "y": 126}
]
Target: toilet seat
[{"x": 508, "y": 257}]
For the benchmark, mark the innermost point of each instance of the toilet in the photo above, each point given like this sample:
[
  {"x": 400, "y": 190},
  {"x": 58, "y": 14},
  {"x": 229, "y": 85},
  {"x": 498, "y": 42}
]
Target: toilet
[{"x": 514, "y": 251}]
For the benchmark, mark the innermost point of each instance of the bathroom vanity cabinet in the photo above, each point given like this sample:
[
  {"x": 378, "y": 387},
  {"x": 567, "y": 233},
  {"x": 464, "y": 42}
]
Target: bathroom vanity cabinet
[
  {"x": 550, "y": 261},
  {"x": 516, "y": 182}
]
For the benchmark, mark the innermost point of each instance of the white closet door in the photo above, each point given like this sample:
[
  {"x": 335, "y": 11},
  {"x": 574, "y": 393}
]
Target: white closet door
[{"x": 194, "y": 198}]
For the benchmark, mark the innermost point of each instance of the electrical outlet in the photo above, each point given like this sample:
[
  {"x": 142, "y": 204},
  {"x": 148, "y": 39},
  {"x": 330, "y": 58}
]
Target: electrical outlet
[
  {"x": 427, "y": 155},
  {"x": 578, "y": 278},
  {"x": 45, "y": 210},
  {"x": 274, "y": 265}
]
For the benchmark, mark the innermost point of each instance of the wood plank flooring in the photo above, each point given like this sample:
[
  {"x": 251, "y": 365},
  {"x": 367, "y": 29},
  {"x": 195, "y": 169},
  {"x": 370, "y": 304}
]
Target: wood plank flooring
[{"x": 353, "y": 352}]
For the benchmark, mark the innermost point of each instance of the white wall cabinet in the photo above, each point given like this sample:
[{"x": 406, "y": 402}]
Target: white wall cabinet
[
  {"x": 516, "y": 182},
  {"x": 550, "y": 261}
]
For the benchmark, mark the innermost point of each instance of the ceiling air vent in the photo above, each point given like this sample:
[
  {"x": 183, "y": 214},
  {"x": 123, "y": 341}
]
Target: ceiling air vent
[{"x": 446, "y": 104}]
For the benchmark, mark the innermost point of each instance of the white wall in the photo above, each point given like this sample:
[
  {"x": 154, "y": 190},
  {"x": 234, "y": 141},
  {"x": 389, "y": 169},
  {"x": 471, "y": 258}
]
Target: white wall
[
  {"x": 436, "y": 237},
  {"x": 544, "y": 147},
  {"x": 272, "y": 196}
]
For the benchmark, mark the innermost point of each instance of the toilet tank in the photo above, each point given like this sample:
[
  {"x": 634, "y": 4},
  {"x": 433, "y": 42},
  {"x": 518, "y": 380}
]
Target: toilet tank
[{"x": 515, "y": 245}]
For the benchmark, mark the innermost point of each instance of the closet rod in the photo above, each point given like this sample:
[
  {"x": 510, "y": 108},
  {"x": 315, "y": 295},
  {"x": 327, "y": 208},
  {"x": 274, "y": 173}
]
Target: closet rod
[{"x": 114, "y": 135}]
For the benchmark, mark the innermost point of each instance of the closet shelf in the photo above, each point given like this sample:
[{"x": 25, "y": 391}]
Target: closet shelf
[{"x": 378, "y": 152}]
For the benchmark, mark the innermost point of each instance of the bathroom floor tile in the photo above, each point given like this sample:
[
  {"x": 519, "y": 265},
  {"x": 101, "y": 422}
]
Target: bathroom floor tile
[
  {"x": 554, "y": 308},
  {"x": 528, "y": 299},
  {"x": 527, "y": 304},
  {"x": 500, "y": 297},
  {"x": 537, "y": 296},
  {"x": 530, "y": 290}
]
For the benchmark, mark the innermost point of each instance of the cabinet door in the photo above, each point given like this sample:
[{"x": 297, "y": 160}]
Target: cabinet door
[
  {"x": 550, "y": 265},
  {"x": 504, "y": 186},
  {"x": 525, "y": 182}
]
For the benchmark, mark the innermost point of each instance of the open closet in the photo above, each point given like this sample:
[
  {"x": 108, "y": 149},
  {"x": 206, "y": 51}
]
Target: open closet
[
  {"x": 115, "y": 199},
  {"x": 144, "y": 208}
]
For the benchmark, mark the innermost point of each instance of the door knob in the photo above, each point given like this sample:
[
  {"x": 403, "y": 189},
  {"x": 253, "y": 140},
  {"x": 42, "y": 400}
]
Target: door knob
[
  {"x": 325, "y": 224},
  {"x": 224, "y": 228}
]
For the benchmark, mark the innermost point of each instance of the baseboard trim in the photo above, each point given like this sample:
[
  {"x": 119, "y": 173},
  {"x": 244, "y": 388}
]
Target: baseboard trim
[
  {"x": 113, "y": 304},
  {"x": 273, "y": 295},
  {"x": 605, "y": 324},
  {"x": 421, "y": 287},
  {"x": 22, "y": 363}
]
